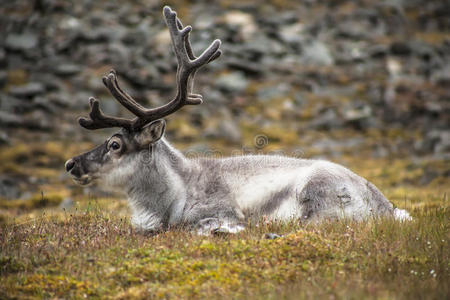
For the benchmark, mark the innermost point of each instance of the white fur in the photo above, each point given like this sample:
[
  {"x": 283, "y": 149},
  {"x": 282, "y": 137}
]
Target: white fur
[
  {"x": 144, "y": 219},
  {"x": 402, "y": 215},
  {"x": 120, "y": 171},
  {"x": 250, "y": 192}
]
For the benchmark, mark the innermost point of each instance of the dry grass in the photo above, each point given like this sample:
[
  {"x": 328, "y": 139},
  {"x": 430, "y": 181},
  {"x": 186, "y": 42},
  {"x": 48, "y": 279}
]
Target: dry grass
[
  {"x": 92, "y": 250},
  {"x": 94, "y": 253}
]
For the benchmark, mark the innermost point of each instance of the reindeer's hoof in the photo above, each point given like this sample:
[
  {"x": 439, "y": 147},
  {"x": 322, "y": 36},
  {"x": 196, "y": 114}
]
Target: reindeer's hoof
[
  {"x": 221, "y": 231},
  {"x": 226, "y": 229},
  {"x": 272, "y": 236}
]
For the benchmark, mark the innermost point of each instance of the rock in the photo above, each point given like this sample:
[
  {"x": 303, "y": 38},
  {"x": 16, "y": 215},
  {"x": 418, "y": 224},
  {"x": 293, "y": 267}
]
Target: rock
[
  {"x": 350, "y": 52},
  {"x": 2, "y": 57},
  {"x": 328, "y": 119},
  {"x": 378, "y": 51},
  {"x": 292, "y": 34},
  {"x": 44, "y": 104},
  {"x": 119, "y": 54},
  {"x": 394, "y": 67},
  {"x": 242, "y": 21},
  {"x": 14, "y": 105},
  {"x": 229, "y": 131},
  {"x": 442, "y": 77},
  {"x": 435, "y": 141},
  {"x": 352, "y": 30},
  {"x": 95, "y": 84},
  {"x": 276, "y": 20},
  {"x": 39, "y": 120},
  {"x": 271, "y": 92},
  {"x": 3, "y": 78},
  {"x": 110, "y": 107},
  {"x": 36, "y": 120},
  {"x": 135, "y": 37},
  {"x": 226, "y": 129},
  {"x": 67, "y": 69},
  {"x": 11, "y": 120},
  {"x": 21, "y": 42},
  {"x": 443, "y": 144},
  {"x": 380, "y": 151},
  {"x": 400, "y": 48},
  {"x": 61, "y": 99},
  {"x": 317, "y": 53},
  {"x": 245, "y": 66},
  {"x": 161, "y": 41},
  {"x": 359, "y": 116},
  {"x": 27, "y": 90},
  {"x": 102, "y": 34},
  {"x": 9, "y": 188},
  {"x": 331, "y": 145},
  {"x": 69, "y": 23},
  {"x": 428, "y": 176},
  {"x": 4, "y": 138},
  {"x": 233, "y": 82}
]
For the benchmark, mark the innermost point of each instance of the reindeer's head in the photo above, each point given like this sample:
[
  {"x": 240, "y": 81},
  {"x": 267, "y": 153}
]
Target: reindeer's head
[{"x": 118, "y": 156}]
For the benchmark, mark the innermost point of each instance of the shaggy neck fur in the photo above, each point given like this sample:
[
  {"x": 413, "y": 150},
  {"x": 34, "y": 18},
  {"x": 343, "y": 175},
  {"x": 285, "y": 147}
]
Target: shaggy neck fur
[{"x": 156, "y": 190}]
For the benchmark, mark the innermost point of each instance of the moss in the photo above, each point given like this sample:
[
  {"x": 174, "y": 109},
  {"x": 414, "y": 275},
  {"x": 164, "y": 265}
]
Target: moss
[
  {"x": 10, "y": 264},
  {"x": 36, "y": 201},
  {"x": 47, "y": 285},
  {"x": 17, "y": 77},
  {"x": 3, "y": 219},
  {"x": 92, "y": 251},
  {"x": 95, "y": 254},
  {"x": 433, "y": 38},
  {"x": 272, "y": 137}
]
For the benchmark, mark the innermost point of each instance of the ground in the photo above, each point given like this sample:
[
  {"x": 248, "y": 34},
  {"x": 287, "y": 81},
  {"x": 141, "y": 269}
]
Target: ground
[{"x": 91, "y": 250}]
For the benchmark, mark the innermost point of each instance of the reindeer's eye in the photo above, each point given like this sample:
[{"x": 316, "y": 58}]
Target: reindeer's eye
[{"x": 114, "y": 145}]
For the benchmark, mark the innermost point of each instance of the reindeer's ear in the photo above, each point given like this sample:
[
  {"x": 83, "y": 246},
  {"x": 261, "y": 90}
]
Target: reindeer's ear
[{"x": 151, "y": 132}]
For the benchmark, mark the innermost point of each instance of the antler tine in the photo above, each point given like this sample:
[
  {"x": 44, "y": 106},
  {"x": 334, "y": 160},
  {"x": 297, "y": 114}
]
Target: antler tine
[
  {"x": 110, "y": 81},
  {"x": 99, "y": 120},
  {"x": 192, "y": 56},
  {"x": 188, "y": 46},
  {"x": 188, "y": 64}
]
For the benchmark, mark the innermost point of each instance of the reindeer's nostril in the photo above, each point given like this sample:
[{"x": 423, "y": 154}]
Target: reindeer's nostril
[{"x": 70, "y": 164}]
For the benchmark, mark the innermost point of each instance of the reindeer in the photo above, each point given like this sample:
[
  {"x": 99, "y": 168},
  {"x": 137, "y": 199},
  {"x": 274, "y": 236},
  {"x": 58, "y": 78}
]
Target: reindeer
[{"x": 166, "y": 189}]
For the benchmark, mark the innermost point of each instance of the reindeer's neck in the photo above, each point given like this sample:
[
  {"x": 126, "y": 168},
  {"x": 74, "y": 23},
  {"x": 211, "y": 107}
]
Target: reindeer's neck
[{"x": 157, "y": 191}]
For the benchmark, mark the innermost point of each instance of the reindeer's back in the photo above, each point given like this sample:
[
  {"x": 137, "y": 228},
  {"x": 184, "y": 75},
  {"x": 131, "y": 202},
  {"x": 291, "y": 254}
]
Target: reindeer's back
[{"x": 283, "y": 187}]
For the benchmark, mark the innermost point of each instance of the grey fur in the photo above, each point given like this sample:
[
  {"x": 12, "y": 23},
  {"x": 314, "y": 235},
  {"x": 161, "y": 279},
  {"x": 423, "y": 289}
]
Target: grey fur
[{"x": 165, "y": 188}]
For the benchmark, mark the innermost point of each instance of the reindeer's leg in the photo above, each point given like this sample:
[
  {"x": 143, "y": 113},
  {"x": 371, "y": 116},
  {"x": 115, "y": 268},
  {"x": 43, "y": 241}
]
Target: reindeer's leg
[
  {"x": 322, "y": 197},
  {"x": 218, "y": 226},
  {"x": 348, "y": 196}
]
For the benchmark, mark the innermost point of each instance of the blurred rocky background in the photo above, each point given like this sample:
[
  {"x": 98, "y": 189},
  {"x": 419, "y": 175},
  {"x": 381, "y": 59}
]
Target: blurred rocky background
[{"x": 350, "y": 81}]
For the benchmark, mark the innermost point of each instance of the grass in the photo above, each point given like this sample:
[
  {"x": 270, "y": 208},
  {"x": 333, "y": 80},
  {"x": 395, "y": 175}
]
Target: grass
[
  {"x": 94, "y": 253},
  {"x": 35, "y": 201}
]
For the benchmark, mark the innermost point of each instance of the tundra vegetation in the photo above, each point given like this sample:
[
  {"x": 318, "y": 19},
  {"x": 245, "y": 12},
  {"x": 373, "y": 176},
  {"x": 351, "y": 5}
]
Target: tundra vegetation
[
  {"x": 370, "y": 93},
  {"x": 94, "y": 251}
]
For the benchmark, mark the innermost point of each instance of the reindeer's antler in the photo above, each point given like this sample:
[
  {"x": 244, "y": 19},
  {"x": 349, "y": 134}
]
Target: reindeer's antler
[{"x": 188, "y": 64}]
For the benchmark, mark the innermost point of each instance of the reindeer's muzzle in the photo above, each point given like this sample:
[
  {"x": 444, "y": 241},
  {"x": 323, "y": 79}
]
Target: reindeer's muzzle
[
  {"x": 75, "y": 168},
  {"x": 84, "y": 167},
  {"x": 69, "y": 165}
]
